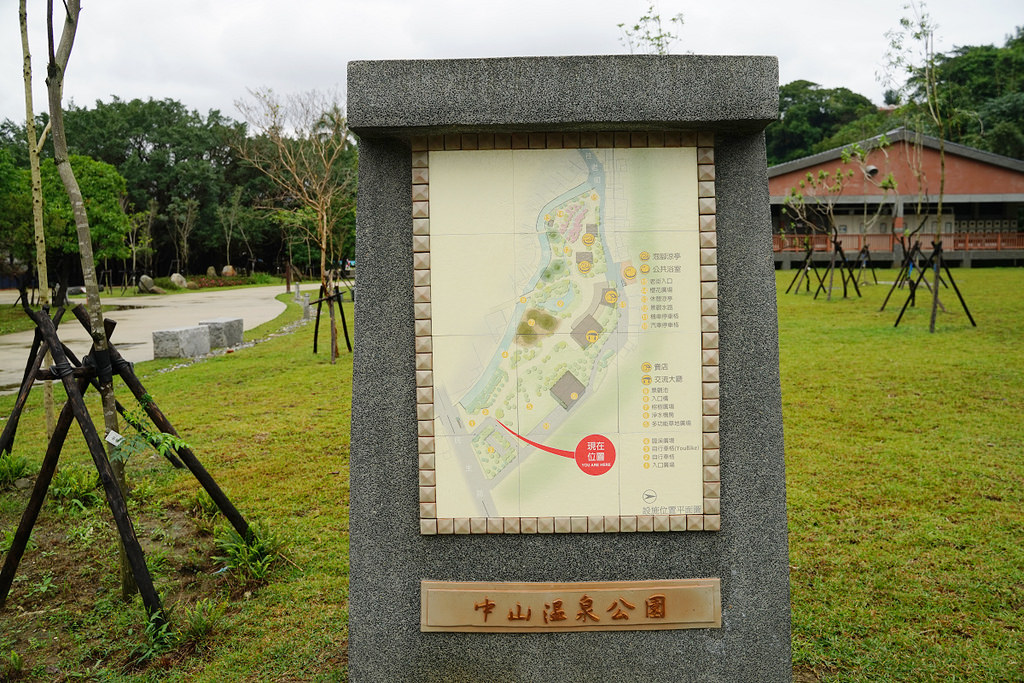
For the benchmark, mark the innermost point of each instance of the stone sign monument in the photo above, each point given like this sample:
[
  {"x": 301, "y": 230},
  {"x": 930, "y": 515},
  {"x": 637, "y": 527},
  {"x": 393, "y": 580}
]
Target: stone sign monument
[{"x": 567, "y": 457}]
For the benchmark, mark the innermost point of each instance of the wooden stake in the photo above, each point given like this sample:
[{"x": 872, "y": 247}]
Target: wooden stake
[
  {"x": 118, "y": 508},
  {"x": 124, "y": 370},
  {"x": 35, "y": 502}
]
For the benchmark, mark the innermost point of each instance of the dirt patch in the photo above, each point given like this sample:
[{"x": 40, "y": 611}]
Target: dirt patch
[
  {"x": 804, "y": 674},
  {"x": 67, "y": 589}
]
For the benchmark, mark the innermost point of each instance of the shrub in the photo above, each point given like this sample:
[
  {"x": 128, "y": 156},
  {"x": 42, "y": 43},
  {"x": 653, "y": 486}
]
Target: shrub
[
  {"x": 11, "y": 665},
  {"x": 159, "y": 639},
  {"x": 250, "y": 560},
  {"x": 12, "y": 467},
  {"x": 77, "y": 485},
  {"x": 203, "y": 506},
  {"x": 201, "y": 620},
  {"x": 8, "y": 540},
  {"x": 264, "y": 279},
  {"x": 165, "y": 283},
  {"x": 204, "y": 281}
]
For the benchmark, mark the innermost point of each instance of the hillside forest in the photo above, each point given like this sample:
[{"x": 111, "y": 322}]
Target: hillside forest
[
  {"x": 980, "y": 90},
  {"x": 171, "y": 189}
]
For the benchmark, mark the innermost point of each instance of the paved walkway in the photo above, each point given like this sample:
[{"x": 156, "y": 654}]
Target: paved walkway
[{"x": 139, "y": 316}]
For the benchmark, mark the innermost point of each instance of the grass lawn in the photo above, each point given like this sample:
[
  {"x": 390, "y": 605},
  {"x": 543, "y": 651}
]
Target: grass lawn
[
  {"x": 906, "y": 483},
  {"x": 905, "y": 471},
  {"x": 271, "y": 425}
]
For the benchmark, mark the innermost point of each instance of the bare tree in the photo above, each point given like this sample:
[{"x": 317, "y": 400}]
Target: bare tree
[
  {"x": 301, "y": 144},
  {"x": 34, "y": 145},
  {"x": 184, "y": 215},
  {"x": 912, "y": 53},
  {"x": 229, "y": 219},
  {"x": 883, "y": 180},
  {"x": 812, "y": 204},
  {"x": 140, "y": 236},
  {"x": 58, "y": 60}
]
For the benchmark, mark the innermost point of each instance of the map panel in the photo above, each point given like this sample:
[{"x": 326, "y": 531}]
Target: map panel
[{"x": 566, "y": 332}]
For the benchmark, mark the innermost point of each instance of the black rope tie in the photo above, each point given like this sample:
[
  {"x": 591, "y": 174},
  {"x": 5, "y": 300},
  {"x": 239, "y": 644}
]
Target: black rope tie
[
  {"x": 62, "y": 369},
  {"x": 103, "y": 370}
]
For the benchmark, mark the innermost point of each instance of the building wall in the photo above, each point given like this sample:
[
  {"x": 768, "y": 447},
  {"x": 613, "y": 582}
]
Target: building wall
[{"x": 963, "y": 175}]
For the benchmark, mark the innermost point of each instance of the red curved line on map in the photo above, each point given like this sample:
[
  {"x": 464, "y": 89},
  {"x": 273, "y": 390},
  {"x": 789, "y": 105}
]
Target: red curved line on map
[{"x": 549, "y": 449}]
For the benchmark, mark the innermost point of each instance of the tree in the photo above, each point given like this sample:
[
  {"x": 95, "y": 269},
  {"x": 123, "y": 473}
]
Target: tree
[
  {"x": 164, "y": 151},
  {"x": 302, "y": 145},
  {"x": 229, "y": 218},
  {"x": 34, "y": 145},
  {"x": 883, "y": 179},
  {"x": 140, "y": 236},
  {"x": 982, "y": 87},
  {"x": 38, "y": 230},
  {"x": 184, "y": 213},
  {"x": 14, "y": 140},
  {"x": 912, "y": 51},
  {"x": 1001, "y": 126},
  {"x": 869, "y": 125},
  {"x": 103, "y": 190},
  {"x": 812, "y": 203},
  {"x": 978, "y": 90},
  {"x": 809, "y": 114},
  {"x": 15, "y": 210},
  {"x": 648, "y": 34},
  {"x": 55, "y": 70}
]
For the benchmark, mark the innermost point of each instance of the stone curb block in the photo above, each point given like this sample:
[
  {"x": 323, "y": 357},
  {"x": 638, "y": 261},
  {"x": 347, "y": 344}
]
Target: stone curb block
[{"x": 181, "y": 342}]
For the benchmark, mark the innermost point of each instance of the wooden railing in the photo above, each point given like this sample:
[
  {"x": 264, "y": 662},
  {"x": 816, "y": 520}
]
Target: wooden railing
[{"x": 958, "y": 241}]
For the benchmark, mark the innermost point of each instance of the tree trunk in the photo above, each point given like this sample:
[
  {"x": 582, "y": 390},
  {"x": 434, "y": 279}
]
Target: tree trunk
[
  {"x": 326, "y": 281},
  {"x": 34, "y": 144},
  {"x": 938, "y": 227},
  {"x": 831, "y": 269},
  {"x": 55, "y": 86},
  {"x": 334, "y": 323}
]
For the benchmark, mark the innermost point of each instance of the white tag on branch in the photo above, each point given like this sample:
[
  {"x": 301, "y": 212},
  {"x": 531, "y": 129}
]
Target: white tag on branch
[{"x": 114, "y": 439}]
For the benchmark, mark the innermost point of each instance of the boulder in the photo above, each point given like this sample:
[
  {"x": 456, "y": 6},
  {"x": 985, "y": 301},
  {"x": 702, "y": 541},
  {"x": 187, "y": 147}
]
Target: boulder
[
  {"x": 211, "y": 272},
  {"x": 179, "y": 280},
  {"x": 191, "y": 285},
  {"x": 147, "y": 285},
  {"x": 228, "y": 271}
]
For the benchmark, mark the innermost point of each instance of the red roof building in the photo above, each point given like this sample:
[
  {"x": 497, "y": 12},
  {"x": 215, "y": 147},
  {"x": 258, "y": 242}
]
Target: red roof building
[{"x": 982, "y": 202}]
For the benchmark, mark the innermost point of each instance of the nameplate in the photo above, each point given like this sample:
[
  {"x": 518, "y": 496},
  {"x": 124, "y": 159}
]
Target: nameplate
[{"x": 501, "y": 607}]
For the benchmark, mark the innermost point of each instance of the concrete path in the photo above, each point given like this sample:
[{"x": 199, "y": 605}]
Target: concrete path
[{"x": 139, "y": 316}]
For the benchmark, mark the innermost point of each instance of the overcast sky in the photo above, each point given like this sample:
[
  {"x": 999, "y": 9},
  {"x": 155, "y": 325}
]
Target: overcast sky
[{"x": 205, "y": 53}]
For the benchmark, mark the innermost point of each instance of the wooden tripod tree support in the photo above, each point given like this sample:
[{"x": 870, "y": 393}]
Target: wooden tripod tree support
[
  {"x": 905, "y": 276},
  {"x": 35, "y": 361},
  {"x": 76, "y": 380},
  {"x": 803, "y": 275},
  {"x": 864, "y": 261},
  {"x": 338, "y": 296},
  {"x": 845, "y": 271},
  {"x": 936, "y": 262}
]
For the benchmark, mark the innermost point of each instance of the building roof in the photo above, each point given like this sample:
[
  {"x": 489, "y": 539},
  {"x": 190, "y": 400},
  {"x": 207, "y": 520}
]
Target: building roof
[
  {"x": 893, "y": 136},
  {"x": 970, "y": 175}
]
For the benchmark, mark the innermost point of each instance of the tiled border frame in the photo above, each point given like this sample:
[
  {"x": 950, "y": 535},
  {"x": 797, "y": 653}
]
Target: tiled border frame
[{"x": 430, "y": 524}]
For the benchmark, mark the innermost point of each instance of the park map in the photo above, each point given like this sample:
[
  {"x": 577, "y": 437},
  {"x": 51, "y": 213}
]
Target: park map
[{"x": 565, "y": 294}]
